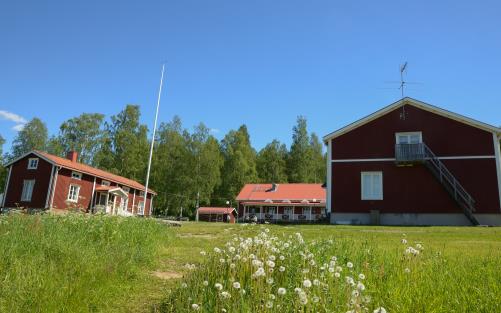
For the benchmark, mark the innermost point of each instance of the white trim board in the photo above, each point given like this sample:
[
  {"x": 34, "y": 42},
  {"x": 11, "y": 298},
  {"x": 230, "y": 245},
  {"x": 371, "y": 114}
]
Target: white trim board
[
  {"x": 497, "y": 151},
  {"x": 464, "y": 157},
  {"x": 418, "y": 104}
]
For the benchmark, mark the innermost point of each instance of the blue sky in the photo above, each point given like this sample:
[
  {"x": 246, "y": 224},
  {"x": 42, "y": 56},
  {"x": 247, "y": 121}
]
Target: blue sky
[{"x": 261, "y": 63}]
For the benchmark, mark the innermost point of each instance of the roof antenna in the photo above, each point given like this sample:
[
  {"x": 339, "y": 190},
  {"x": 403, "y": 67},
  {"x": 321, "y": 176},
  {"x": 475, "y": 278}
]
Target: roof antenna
[{"x": 403, "y": 68}]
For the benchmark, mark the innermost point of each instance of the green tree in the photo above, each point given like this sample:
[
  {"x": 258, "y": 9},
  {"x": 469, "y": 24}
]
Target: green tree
[
  {"x": 33, "y": 136},
  {"x": 318, "y": 159},
  {"x": 208, "y": 161},
  {"x": 300, "y": 156},
  {"x": 82, "y": 134},
  {"x": 172, "y": 169},
  {"x": 125, "y": 145},
  {"x": 271, "y": 163},
  {"x": 239, "y": 163}
]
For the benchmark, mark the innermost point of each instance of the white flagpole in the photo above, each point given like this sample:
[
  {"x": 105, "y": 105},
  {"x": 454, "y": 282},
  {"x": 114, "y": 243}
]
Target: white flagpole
[{"x": 153, "y": 141}]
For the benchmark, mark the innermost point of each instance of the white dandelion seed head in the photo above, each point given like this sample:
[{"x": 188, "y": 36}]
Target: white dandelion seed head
[
  {"x": 337, "y": 274},
  {"x": 380, "y": 310},
  {"x": 225, "y": 295},
  {"x": 404, "y": 241},
  {"x": 217, "y": 250},
  {"x": 360, "y": 286},
  {"x": 206, "y": 283},
  {"x": 297, "y": 290},
  {"x": 184, "y": 285},
  {"x": 270, "y": 263},
  {"x": 316, "y": 282},
  {"x": 407, "y": 270},
  {"x": 281, "y": 291},
  {"x": 307, "y": 283},
  {"x": 269, "y": 281},
  {"x": 361, "y": 276},
  {"x": 236, "y": 285},
  {"x": 269, "y": 304},
  {"x": 349, "y": 265},
  {"x": 195, "y": 307},
  {"x": 203, "y": 253},
  {"x": 218, "y": 286},
  {"x": 281, "y": 268}
]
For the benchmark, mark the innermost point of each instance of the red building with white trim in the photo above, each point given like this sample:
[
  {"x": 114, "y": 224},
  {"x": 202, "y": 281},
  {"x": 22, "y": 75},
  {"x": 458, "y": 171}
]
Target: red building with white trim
[
  {"x": 39, "y": 180},
  {"x": 285, "y": 203},
  {"x": 216, "y": 214},
  {"x": 412, "y": 163}
]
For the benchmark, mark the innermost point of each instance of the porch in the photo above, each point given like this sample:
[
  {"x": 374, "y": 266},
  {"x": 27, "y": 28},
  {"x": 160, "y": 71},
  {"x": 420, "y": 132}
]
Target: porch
[
  {"x": 283, "y": 212},
  {"x": 111, "y": 200}
]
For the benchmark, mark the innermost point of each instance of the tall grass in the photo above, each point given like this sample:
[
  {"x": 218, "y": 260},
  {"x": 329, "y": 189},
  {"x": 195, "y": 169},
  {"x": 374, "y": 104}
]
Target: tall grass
[
  {"x": 274, "y": 272},
  {"x": 73, "y": 263}
]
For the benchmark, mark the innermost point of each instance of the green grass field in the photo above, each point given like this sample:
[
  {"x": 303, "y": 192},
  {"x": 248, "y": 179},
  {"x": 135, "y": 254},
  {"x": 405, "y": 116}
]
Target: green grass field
[{"x": 107, "y": 264}]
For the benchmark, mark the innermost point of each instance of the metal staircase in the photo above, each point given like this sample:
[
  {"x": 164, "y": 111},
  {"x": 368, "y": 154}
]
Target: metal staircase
[{"x": 408, "y": 154}]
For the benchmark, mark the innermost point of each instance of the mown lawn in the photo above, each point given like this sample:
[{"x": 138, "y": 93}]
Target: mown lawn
[{"x": 80, "y": 263}]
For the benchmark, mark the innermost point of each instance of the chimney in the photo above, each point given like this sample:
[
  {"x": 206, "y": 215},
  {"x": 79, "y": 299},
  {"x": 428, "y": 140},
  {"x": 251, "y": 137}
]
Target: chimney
[{"x": 72, "y": 156}]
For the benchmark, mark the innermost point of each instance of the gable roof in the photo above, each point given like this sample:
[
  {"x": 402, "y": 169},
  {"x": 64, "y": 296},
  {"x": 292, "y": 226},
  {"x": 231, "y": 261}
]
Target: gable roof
[
  {"x": 418, "y": 104},
  {"x": 215, "y": 210},
  {"x": 86, "y": 169},
  {"x": 300, "y": 192}
]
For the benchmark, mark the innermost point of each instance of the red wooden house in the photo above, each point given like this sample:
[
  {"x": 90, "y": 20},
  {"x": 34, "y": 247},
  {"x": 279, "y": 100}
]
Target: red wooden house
[
  {"x": 39, "y": 180},
  {"x": 414, "y": 163},
  {"x": 290, "y": 203}
]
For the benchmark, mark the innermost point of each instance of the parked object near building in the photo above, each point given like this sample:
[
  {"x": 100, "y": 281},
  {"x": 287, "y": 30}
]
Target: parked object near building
[
  {"x": 214, "y": 214},
  {"x": 39, "y": 180},
  {"x": 412, "y": 163},
  {"x": 282, "y": 203}
]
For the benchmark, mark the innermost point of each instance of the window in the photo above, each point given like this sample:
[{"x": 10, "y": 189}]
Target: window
[
  {"x": 140, "y": 207},
  {"x": 105, "y": 183},
  {"x": 76, "y": 175},
  {"x": 32, "y": 163},
  {"x": 102, "y": 199},
  {"x": 372, "y": 185},
  {"x": 141, "y": 193},
  {"x": 409, "y": 138},
  {"x": 126, "y": 189},
  {"x": 27, "y": 190},
  {"x": 73, "y": 193}
]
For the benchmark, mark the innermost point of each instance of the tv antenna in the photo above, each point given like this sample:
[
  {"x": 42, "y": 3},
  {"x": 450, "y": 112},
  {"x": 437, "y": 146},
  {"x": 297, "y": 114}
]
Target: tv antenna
[{"x": 403, "y": 68}]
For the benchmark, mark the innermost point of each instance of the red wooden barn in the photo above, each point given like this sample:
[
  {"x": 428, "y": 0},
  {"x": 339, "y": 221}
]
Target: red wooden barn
[
  {"x": 290, "y": 203},
  {"x": 412, "y": 163},
  {"x": 39, "y": 180}
]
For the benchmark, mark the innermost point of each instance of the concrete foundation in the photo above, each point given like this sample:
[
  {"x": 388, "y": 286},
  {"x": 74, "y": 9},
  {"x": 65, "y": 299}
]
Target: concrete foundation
[{"x": 437, "y": 219}]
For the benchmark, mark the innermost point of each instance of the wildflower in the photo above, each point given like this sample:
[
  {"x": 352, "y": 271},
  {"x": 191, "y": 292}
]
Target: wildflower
[
  {"x": 407, "y": 270},
  {"x": 232, "y": 265},
  {"x": 349, "y": 265},
  {"x": 331, "y": 270},
  {"x": 221, "y": 261},
  {"x": 217, "y": 250},
  {"x": 355, "y": 293},
  {"x": 337, "y": 274},
  {"x": 269, "y": 281},
  {"x": 306, "y": 270},
  {"x": 312, "y": 262},
  {"x": 339, "y": 269},
  {"x": 225, "y": 295},
  {"x": 281, "y": 291},
  {"x": 361, "y": 276},
  {"x": 218, "y": 286},
  {"x": 360, "y": 286},
  {"x": 281, "y": 268},
  {"x": 259, "y": 272},
  {"x": 231, "y": 249},
  {"x": 303, "y": 299},
  {"x": 272, "y": 296},
  {"x": 307, "y": 283},
  {"x": 419, "y": 246},
  {"x": 206, "y": 283},
  {"x": 316, "y": 282},
  {"x": 236, "y": 285},
  {"x": 297, "y": 290},
  {"x": 184, "y": 285},
  {"x": 380, "y": 310},
  {"x": 272, "y": 258},
  {"x": 350, "y": 280},
  {"x": 269, "y": 304},
  {"x": 404, "y": 241},
  {"x": 203, "y": 253},
  {"x": 195, "y": 307},
  {"x": 270, "y": 263}
]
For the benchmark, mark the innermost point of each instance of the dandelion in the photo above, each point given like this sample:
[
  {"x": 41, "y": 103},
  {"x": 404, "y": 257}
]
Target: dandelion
[
  {"x": 349, "y": 265},
  {"x": 297, "y": 290},
  {"x": 281, "y": 258},
  {"x": 221, "y": 261},
  {"x": 331, "y": 270},
  {"x": 281, "y": 268},
  {"x": 404, "y": 241},
  {"x": 355, "y": 293},
  {"x": 260, "y": 272},
  {"x": 281, "y": 291},
  {"x": 270, "y": 264},
  {"x": 315, "y": 299},
  {"x": 269, "y": 281},
  {"x": 337, "y": 274},
  {"x": 316, "y": 282},
  {"x": 218, "y": 286},
  {"x": 407, "y": 270},
  {"x": 225, "y": 295},
  {"x": 307, "y": 283},
  {"x": 361, "y": 276},
  {"x": 217, "y": 250},
  {"x": 195, "y": 307},
  {"x": 360, "y": 286},
  {"x": 269, "y": 304},
  {"x": 272, "y": 296},
  {"x": 380, "y": 310},
  {"x": 303, "y": 299},
  {"x": 419, "y": 246},
  {"x": 232, "y": 265},
  {"x": 203, "y": 253},
  {"x": 184, "y": 285},
  {"x": 236, "y": 285}
]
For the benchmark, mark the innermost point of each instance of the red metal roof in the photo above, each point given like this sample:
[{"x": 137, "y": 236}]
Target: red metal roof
[
  {"x": 214, "y": 210},
  {"x": 282, "y": 204},
  {"x": 86, "y": 169},
  {"x": 258, "y": 192}
]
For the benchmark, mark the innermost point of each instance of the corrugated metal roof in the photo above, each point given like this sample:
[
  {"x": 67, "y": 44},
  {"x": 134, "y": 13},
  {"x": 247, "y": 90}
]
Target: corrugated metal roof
[
  {"x": 261, "y": 192},
  {"x": 215, "y": 210}
]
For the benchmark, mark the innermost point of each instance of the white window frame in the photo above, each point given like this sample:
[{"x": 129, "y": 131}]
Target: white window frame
[
  {"x": 27, "y": 192},
  {"x": 126, "y": 189},
  {"x": 371, "y": 196},
  {"x": 408, "y": 135},
  {"x": 35, "y": 166},
  {"x": 77, "y": 193},
  {"x": 140, "y": 207},
  {"x": 76, "y": 175},
  {"x": 105, "y": 183}
]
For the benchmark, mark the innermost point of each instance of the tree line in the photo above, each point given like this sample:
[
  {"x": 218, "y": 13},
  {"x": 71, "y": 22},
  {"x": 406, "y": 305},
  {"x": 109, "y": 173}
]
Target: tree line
[{"x": 190, "y": 168}]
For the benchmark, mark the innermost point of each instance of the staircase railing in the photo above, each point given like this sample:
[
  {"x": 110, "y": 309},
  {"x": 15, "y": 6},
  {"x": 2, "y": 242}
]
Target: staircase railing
[{"x": 420, "y": 152}]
